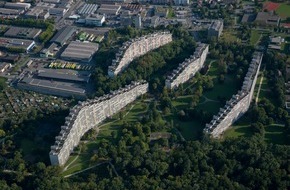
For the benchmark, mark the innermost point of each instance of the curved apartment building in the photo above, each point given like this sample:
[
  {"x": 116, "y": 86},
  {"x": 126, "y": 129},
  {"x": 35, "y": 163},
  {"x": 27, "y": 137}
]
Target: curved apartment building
[
  {"x": 188, "y": 68},
  {"x": 89, "y": 114},
  {"x": 136, "y": 48},
  {"x": 239, "y": 104}
]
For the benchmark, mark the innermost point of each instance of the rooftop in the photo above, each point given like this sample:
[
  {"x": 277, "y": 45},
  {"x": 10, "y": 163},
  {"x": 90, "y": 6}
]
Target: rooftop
[
  {"x": 80, "y": 50},
  {"x": 63, "y": 35},
  {"x": 63, "y": 74}
]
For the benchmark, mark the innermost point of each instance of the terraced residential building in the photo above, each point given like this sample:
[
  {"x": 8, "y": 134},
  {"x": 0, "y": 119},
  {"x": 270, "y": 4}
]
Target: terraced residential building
[
  {"x": 136, "y": 48},
  {"x": 89, "y": 114},
  {"x": 187, "y": 69},
  {"x": 239, "y": 104}
]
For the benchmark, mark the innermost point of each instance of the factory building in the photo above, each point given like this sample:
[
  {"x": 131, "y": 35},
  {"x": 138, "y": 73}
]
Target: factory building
[
  {"x": 88, "y": 9},
  {"x": 136, "y": 48},
  {"x": 238, "y": 104},
  {"x": 215, "y": 30},
  {"x": 108, "y": 9},
  {"x": 188, "y": 68},
  {"x": 95, "y": 20},
  {"x": 50, "y": 51},
  {"x": 181, "y": 2},
  {"x": 63, "y": 35},
  {"x": 52, "y": 88},
  {"x": 89, "y": 114},
  {"x": 80, "y": 51},
  {"x": 17, "y": 6},
  {"x": 25, "y": 45},
  {"x": 22, "y": 32}
]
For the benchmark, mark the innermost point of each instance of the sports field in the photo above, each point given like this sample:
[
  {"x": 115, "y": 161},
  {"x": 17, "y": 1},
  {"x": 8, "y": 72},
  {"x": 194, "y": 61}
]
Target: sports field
[{"x": 282, "y": 9}]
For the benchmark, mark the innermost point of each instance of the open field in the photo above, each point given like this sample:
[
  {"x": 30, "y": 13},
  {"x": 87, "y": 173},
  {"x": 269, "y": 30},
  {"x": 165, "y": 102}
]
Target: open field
[
  {"x": 283, "y": 10},
  {"x": 255, "y": 37},
  {"x": 273, "y": 133}
]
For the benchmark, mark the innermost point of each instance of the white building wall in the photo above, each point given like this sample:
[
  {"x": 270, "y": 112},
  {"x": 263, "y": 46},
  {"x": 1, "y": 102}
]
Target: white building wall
[
  {"x": 136, "y": 48},
  {"x": 89, "y": 114},
  {"x": 188, "y": 68},
  {"x": 239, "y": 103}
]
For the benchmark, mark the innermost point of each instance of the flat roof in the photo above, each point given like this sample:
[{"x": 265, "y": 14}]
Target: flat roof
[
  {"x": 80, "y": 50},
  {"x": 13, "y": 42},
  {"x": 63, "y": 74},
  {"x": 22, "y": 32},
  {"x": 68, "y": 87}
]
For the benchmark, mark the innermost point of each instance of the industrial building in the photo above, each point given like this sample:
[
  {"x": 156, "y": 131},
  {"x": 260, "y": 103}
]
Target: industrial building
[
  {"x": 108, "y": 9},
  {"x": 64, "y": 75},
  {"x": 63, "y": 35},
  {"x": 22, "y": 32},
  {"x": 181, "y": 2},
  {"x": 80, "y": 51},
  {"x": 215, "y": 30},
  {"x": 238, "y": 104},
  {"x": 52, "y": 87},
  {"x": 17, "y": 6},
  {"x": 187, "y": 69},
  {"x": 8, "y": 43},
  {"x": 51, "y": 51},
  {"x": 57, "y": 11},
  {"x": 89, "y": 114},
  {"x": 10, "y": 13},
  {"x": 136, "y": 48},
  {"x": 88, "y": 9},
  {"x": 95, "y": 20}
]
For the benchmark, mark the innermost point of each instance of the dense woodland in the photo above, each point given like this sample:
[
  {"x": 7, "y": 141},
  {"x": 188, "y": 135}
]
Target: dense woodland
[{"x": 133, "y": 161}]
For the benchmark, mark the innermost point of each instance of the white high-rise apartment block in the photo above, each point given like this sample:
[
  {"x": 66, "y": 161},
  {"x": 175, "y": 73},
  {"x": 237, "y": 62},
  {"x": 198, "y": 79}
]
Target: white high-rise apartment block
[
  {"x": 239, "y": 104},
  {"x": 136, "y": 48},
  {"x": 187, "y": 69},
  {"x": 89, "y": 114}
]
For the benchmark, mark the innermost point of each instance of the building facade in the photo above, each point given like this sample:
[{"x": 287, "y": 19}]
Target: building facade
[
  {"x": 87, "y": 115},
  {"x": 239, "y": 104},
  {"x": 215, "y": 30},
  {"x": 188, "y": 68},
  {"x": 136, "y": 48}
]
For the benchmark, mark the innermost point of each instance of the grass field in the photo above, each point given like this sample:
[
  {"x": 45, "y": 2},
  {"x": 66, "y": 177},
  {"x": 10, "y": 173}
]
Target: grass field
[
  {"x": 283, "y": 10},
  {"x": 273, "y": 133},
  {"x": 255, "y": 37}
]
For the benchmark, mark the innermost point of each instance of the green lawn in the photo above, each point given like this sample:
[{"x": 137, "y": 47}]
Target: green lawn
[
  {"x": 274, "y": 133},
  {"x": 283, "y": 10},
  {"x": 255, "y": 37}
]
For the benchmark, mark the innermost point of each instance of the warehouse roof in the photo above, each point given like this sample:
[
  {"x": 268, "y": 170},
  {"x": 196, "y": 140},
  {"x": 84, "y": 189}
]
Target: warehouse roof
[
  {"x": 80, "y": 50},
  {"x": 54, "y": 85},
  {"x": 63, "y": 35},
  {"x": 22, "y": 32},
  {"x": 69, "y": 75}
]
